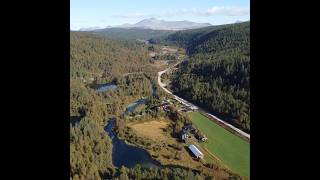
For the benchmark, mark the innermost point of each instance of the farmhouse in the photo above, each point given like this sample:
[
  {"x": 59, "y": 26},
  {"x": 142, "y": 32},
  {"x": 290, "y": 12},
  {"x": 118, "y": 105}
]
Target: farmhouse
[
  {"x": 164, "y": 106},
  {"x": 184, "y": 135},
  {"x": 196, "y": 152}
]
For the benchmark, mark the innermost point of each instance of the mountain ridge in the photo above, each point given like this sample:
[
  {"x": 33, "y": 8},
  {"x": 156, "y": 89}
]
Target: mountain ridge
[
  {"x": 154, "y": 24},
  {"x": 157, "y": 24}
]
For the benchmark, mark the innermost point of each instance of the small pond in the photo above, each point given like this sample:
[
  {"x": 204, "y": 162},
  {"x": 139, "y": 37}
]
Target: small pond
[{"x": 106, "y": 87}]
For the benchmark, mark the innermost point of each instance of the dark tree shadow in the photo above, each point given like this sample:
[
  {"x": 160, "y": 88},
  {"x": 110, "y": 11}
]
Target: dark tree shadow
[
  {"x": 75, "y": 120},
  {"x": 95, "y": 86}
]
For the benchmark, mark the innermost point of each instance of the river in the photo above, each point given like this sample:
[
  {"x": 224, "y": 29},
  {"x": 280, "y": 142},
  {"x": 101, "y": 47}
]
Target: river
[
  {"x": 128, "y": 155},
  {"x": 106, "y": 87},
  {"x": 134, "y": 105}
]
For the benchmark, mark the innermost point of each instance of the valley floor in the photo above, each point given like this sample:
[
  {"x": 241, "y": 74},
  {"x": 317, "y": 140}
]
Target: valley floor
[{"x": 227, "y": 144}]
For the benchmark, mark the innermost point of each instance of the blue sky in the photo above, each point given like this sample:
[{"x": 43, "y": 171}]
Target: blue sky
[{"x": 101, "y": 13}]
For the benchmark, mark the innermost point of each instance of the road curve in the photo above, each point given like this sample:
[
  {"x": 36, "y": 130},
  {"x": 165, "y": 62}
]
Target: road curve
[{"x": 185, "y": 102}]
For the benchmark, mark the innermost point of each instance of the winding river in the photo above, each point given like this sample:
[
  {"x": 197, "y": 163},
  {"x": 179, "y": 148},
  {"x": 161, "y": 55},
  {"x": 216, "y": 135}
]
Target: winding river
[{"x": 128, "y": 155}]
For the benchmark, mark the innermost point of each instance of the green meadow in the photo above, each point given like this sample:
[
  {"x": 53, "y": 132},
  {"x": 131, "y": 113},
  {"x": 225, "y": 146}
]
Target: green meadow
[{"x": 233, "y": 151}]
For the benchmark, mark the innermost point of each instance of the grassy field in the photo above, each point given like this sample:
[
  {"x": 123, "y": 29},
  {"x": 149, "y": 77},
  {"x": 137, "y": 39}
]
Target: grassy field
[
  {"x": 151, "y": 129},
  {"x": 233, "y": 151}
]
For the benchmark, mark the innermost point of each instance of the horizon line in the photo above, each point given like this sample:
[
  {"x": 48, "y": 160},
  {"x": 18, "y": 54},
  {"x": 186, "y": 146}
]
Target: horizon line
[{"x": 117, "y": 26}]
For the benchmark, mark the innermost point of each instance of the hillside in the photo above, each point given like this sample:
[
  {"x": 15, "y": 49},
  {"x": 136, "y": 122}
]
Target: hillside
[
  {"x": 93, "y": 54},
  {"x": 217, "y": 76},
  {"x": 98, "y": 60}
]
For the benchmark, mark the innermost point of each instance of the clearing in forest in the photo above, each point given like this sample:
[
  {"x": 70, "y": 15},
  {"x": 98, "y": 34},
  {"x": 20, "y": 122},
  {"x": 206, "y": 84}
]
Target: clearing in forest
[{"x": 152, "y": 129}]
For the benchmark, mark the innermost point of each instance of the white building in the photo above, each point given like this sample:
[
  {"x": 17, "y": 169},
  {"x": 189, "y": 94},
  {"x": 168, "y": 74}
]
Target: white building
[{"x": 196, "y": 151}]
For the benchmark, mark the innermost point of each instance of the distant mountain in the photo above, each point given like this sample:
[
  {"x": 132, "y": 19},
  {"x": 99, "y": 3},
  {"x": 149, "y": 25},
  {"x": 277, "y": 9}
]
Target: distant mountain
[
  {"x": 132, "y": 33},
  {"x": 90, "y": 28},
  {"x": 157, "y": 24}
]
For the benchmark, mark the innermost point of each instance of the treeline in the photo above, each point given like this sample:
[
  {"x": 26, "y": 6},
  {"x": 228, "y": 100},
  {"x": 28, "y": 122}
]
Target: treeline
[
  {"x": 217, "y": 76},
  {"x": 160, "y": 174},
  {"x": 184, "y": 38},
  {"x": 132, "y": 33},
  {"x": 164, "y": 57}
]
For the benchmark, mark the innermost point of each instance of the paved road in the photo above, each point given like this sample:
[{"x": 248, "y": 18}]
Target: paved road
[{"x": 192, "y": 106}]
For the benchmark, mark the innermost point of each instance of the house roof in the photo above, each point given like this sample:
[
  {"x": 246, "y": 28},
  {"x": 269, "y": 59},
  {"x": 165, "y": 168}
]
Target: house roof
[
  {"x": 189, "y": 127},
  {"x": 183, "y": 131},
  {"x": 195, "y": 150}
]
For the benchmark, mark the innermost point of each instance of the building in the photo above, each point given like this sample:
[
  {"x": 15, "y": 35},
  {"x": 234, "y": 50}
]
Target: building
[
  {"x": 164, "y": 106},
  {"x": 189, "y": 128},
  {"x": 196, "y": 152},
  {"x": 193, "y": 108},
  {"x": 184, "y": 135},
  {"x": 203, "y": 138}
]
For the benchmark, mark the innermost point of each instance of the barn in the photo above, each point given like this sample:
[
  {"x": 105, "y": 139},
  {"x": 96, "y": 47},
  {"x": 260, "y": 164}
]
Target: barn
[{"x": 196, "y": 152}]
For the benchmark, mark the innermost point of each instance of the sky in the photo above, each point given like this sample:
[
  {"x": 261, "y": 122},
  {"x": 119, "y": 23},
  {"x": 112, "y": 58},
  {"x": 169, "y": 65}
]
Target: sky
[{"x": 103, "y": 13}]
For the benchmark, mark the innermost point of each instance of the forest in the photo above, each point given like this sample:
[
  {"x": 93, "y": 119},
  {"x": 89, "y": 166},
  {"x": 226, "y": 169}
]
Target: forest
[
  {"x": 95, "y": 60},
  {"x": 217, "y": 76}
]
